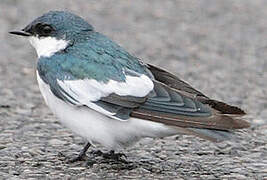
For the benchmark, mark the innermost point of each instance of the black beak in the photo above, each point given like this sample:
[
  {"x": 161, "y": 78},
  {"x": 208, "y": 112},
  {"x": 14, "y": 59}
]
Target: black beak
[{"x": 20, "y": 33}]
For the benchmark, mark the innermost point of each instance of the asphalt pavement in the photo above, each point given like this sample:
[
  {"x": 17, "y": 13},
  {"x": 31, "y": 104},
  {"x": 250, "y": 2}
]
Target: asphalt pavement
[{"x": 220, "y": 47}]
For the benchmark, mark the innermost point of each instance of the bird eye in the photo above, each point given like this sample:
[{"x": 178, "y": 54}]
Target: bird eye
[
  {"x": 43, "y": 29},
  {"x": 47, "y": 29}
]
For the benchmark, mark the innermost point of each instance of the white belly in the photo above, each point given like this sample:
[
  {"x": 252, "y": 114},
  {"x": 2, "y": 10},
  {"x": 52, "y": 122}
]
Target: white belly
[{"x": 99, "y": 128}]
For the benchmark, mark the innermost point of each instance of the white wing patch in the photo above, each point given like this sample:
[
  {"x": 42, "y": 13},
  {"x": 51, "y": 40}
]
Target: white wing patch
[
  {"x": 47, "y": 46},
  {"x": 88, "y": 91}
]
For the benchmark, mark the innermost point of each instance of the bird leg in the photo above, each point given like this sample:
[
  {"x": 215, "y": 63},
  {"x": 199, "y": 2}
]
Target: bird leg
[
  {"x": 81, "y": 154},
  {"x": 109, "y": 155}
]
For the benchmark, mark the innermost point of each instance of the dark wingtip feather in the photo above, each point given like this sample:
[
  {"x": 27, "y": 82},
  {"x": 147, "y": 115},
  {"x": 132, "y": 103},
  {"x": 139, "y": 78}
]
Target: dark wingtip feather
[{"x": 223, "y": 107}]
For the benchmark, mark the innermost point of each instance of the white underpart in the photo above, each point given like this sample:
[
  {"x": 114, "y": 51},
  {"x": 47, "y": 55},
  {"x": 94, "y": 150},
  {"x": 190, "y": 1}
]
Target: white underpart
[
  {"x": 47, "y": 46},
  {"x": 96, "y": 127}
]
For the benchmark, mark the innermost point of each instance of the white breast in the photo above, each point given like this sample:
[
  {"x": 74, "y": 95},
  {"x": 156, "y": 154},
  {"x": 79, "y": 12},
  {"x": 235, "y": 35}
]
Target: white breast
[{"x": 99, "y": 128}]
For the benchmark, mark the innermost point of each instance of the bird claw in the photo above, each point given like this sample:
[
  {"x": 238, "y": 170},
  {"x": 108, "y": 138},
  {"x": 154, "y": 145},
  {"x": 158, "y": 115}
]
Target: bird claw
[
  {"x": 115, "y": 156},
  {"x": 97, "y": 152},
  {"x": 77, "y": 158}
]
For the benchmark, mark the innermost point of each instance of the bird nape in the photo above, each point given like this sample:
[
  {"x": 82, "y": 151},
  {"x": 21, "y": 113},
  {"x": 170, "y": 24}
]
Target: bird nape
[{"x": 108, "y": 96}]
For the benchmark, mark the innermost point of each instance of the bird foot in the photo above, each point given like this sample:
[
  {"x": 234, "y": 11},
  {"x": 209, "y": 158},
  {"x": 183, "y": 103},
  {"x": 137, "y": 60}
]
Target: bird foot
[
  {"x": 96, "y": 152},
  {"x": 114, "y": 156},
  {"x": 77, "y": 158},
  {"x": 109, "y": 155},
  {"x": 119, "y": 157},
  {"x": 81, "y": 155}
]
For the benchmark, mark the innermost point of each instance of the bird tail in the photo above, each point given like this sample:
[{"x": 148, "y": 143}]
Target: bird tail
[{"x": 211, "y": 134}]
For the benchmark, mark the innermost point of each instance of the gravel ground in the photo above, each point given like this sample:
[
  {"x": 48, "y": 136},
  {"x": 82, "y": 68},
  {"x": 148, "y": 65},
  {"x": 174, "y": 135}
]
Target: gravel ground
[{"x": 218, "y": 46}]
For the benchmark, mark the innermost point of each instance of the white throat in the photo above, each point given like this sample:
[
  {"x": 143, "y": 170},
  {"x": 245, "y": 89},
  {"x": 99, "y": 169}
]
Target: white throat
[{"x": 47, "y": 46}]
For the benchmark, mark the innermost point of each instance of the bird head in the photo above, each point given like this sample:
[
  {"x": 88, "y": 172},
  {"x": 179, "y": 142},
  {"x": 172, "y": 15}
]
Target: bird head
[{"x": 54, "y": 31}]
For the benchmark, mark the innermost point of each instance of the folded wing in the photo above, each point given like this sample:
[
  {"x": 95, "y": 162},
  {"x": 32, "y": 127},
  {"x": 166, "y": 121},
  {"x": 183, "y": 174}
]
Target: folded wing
[{"x": 157, "y": 102}]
